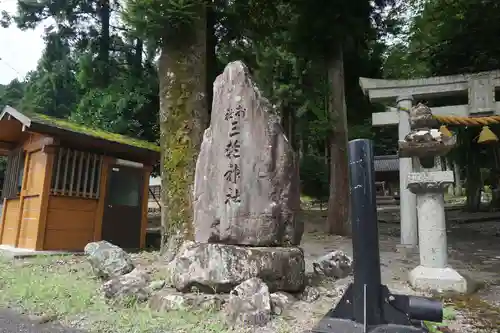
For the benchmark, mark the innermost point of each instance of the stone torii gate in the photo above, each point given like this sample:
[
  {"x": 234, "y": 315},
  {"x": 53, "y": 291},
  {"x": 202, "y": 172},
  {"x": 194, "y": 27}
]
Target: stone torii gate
[{"x": 480, "y": 89}]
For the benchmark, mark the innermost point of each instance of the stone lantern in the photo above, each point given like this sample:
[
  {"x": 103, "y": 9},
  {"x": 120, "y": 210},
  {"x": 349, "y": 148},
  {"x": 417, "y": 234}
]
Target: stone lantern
[{"x": 425, "y": 144}]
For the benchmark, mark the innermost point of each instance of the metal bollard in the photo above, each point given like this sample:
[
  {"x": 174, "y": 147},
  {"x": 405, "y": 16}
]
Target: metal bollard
[{"x": 367, "y": 306}]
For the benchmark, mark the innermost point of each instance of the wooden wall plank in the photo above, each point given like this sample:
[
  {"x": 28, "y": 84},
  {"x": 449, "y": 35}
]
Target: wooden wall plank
[{"x": 46, "y": 183}]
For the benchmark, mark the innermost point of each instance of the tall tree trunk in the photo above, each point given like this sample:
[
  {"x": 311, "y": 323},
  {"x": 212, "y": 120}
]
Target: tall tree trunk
[
  {"x": 137, "y": 60},
  {"x": 104, "y": 41},
  {"x": 211, "y": 55},
  {"x": 338, "y": 204},
  {"x": 183, "y": 119}
]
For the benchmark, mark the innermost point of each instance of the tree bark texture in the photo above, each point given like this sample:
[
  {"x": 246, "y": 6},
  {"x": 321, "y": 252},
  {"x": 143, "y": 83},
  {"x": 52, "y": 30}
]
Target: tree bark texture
[
  {"x": 183, "y": 119},
  {"x": 338, "y": 204}
]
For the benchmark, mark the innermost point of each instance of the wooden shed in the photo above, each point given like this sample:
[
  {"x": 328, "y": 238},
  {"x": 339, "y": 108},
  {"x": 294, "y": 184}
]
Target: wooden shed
[{"x": 67, "y": 185}]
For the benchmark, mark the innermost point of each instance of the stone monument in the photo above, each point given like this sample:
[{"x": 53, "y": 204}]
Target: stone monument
[
  {"x": 246, "y": 195},
  {"x": 246, "y": 189},
  {"x": 428, "y": 182}
]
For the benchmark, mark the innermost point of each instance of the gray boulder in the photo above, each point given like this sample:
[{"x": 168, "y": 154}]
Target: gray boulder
[
  {"x": 249, "y": 304},
  {"x": 219, "y": 267},
  {"x": 335, "y": 264},
  {"x": 246, "y": 189},
  {"x": 108, "y": 260},
  {"x": 171, "y": 299},
  {"x": 133, "y": 285}
]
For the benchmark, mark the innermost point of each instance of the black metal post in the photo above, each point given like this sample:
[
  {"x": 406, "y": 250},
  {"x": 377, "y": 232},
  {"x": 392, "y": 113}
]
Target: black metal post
[
  {"x": 367, "y": 280},
  {"x": 367, "y": 306}
]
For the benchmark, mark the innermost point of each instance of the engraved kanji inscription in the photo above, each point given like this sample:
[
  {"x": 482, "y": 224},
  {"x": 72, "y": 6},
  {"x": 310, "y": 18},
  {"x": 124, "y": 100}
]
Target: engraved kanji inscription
[
  {"x": 240, "y": 111},
  {"x": 235, "y": 128},
  {"x": 229, "y": 114},
  {"x": 232, "y": 195},
  {"x": 233, "y": 149},
  {"x": 233, "y": 173},
  {"x": 234, "y": 114}
]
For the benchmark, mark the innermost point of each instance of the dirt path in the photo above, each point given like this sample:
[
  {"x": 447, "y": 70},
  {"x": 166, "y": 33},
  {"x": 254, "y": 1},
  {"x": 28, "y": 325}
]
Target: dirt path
[{"x": 12, "y": 322}]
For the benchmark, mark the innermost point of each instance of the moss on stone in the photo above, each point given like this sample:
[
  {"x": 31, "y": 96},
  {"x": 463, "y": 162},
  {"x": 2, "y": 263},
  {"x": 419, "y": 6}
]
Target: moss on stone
[{"x": 97, "y": 133}]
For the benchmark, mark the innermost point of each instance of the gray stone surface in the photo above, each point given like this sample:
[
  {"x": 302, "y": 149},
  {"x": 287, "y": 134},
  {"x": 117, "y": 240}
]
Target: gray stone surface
[
  {"x": 221, "y": 267},
  {"x": 133, "y": 285},
  {"x": 335, "y": 264},
  {"x": 437, "y": 279},
  {"x": 246, "y": 189},
  {"x": 170, "y": 299},
  {"x": 280, "y": 301},
  {"x": 310, "y": 294},
  {"x": 249, "y": 304},
  {"x": 108, "y": 260}
]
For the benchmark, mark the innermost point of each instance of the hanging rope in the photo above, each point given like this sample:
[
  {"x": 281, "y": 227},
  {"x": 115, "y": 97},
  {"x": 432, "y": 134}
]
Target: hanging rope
[
  {"x": 486, "y": 135},
  {"x": 463, "y": 120},
  {"x": 468, "y": 121}
]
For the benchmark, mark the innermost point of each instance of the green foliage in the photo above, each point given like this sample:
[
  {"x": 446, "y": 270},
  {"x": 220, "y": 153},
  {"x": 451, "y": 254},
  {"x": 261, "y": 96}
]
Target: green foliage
[
  {"x": 52, "y": 88},
  {"x": 314, "y": 177},
  {"x": 170, "y": 20},
  {"x": 11, "y": 94}
]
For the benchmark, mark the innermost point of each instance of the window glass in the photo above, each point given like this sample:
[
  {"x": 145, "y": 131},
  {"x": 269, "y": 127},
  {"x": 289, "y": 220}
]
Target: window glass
[{"x": 124, "y": 188}]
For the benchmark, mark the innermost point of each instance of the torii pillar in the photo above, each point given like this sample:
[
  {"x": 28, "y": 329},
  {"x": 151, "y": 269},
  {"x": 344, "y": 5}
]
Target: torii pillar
[{"x": 480, "y": 89}]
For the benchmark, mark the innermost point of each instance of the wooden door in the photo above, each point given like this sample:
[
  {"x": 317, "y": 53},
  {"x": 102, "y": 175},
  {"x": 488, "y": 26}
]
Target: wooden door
[{"x": 121, "y": 223}]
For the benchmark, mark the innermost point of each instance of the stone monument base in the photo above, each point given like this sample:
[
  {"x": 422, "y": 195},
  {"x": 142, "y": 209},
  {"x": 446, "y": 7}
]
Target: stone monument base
[
  {"x": 438, "y": 279},
  {"x": 220, "y": 267}
]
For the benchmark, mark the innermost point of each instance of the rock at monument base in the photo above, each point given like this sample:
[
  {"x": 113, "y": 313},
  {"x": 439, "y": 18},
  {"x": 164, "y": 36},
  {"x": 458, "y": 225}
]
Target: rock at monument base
[
  {"x": 219, "y": 267},
  {"x": 309, "y": 295},
  {"x": 246, "y": 189},
  {"x": 132, "y": 285},
  {"x": 335, "y": 264},
  {"x": 249, "y": 304},
  {"x": 280, "y": 301},
  {"x": 171, "y": 299},
  {"x": 108, "y": 260}
]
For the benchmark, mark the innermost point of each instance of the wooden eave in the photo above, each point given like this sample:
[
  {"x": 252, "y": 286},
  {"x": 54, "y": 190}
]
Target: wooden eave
[{"x": 83, "y": 141}]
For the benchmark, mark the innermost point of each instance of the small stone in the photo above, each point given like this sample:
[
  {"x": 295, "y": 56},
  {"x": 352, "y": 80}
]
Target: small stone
[
  {"x": 157, "y": 285},
  {"x": 249, "y": 304},
  {"x": 43, "y": 318},
  {"x": 132, "y": 285},
  {"x": 216, "y": 268},
  {"x": 108, "y": 260},
  {"x": 280, "y": 301},
  {"x": 310, "y": 294},
  {"x": 171, "y": 299},
  {"x": 335, "y": 264}
]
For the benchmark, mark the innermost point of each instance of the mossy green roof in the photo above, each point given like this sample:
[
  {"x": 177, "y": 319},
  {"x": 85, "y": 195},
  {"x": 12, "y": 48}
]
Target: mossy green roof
[{"x": 96, "y": 133}]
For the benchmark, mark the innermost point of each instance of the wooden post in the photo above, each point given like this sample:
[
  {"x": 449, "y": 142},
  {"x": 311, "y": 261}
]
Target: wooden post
[
  {"x": 45, "y": 197},
  {"x": 145, "y": 202},
  {"x": 2, "y": 219},
  {"x": 103, "y": 182}
]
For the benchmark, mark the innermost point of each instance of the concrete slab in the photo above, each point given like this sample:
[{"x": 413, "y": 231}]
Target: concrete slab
[
  {"x": 438, "y": 279},
  {"x": 14, "y": 252}
]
